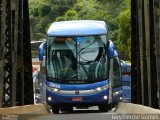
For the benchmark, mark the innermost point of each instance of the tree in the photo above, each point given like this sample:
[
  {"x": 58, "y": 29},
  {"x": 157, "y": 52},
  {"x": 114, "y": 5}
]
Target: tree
[
  {"x": 44, "y": 10},
  {"x": 115, "y": 13},
  {"x": 124, "y": 32}
]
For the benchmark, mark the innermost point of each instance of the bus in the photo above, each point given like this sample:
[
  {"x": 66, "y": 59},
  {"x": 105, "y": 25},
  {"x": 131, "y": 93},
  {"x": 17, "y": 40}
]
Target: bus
[
  {"x": 126, "y": 81},
  {"x": 81, "y": 66},
  {"x": 34, "y": 52},
  {"x": 37, "y": 78}
]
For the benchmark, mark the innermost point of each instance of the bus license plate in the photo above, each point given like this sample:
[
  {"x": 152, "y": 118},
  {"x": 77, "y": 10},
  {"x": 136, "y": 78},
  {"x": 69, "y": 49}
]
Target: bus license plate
[{"x": 77, "y": 99}]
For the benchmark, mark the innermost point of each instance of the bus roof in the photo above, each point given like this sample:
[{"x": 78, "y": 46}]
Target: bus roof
[
  {"x": 77, "y": 28},
  {"x": 34, "y": 42}
]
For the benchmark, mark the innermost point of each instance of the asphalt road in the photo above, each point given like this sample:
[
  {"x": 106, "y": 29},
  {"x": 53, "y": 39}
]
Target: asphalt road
[{"x": 78, "y": 114}]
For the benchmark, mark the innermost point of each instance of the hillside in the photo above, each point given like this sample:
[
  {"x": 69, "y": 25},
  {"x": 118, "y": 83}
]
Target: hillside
[{"x": 116, "y": 13}]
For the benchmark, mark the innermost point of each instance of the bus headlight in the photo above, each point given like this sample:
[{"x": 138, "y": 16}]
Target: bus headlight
[
  {"x": 105, "y": 97},
  {"x": 49, "y": 98},
  {"x": 102, "y": 88},
  {"x": 116, "y": 93},
  {"x": 99, "y": 89},
  {"x": 53, "y": 89}
]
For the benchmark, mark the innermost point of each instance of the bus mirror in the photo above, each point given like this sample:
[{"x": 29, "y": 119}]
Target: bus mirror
[
  {"x": 123, "y": 66},
  {"x": 115, "y": 53},
  {"x": 41, "y": 50},
  {"x": 111, "y": 49}
]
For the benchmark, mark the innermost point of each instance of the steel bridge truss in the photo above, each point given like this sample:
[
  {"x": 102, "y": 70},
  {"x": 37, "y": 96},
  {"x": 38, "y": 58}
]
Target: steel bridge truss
[
  {"x": 145, "y": 50},
  {"x": 16, "y": 86}
]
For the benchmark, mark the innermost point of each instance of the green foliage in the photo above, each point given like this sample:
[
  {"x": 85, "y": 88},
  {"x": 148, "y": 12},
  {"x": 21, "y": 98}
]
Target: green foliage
[
  {"x": 124, "y": 32},
  {"x": 44, "y": 10},
  {"x": 71, "y": 15},
  {"x": 116, "y": 13},
  {"x": 61, "y": 18},
  {"x": 35, "y": 12}
]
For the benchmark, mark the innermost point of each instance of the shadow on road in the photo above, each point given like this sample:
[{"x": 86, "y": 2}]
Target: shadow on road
[{"x": 81, "y": 111}]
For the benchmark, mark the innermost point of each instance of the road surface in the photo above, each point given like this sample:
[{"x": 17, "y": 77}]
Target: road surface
[{"x": 78, "y": 114}]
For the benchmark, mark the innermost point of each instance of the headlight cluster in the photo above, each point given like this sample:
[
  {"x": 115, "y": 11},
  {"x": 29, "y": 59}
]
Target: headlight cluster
[
  {"x": 53, "y": 89},
  {"x": 117, "y": 92},
  {"x": 102, "y": 88}
]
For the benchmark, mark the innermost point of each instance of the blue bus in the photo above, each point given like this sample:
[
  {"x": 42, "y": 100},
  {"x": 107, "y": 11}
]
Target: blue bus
[
  {"x": 82, "y": 67},
  {"x": 126, "y": 81}
]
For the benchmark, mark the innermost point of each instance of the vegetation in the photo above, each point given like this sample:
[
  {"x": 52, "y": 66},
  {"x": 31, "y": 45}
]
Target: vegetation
[{"x": 116, "y": 13}]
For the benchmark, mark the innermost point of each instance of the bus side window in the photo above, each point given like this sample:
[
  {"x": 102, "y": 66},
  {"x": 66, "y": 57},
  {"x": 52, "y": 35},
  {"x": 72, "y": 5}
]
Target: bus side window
[{"x": 116, "y": 72}]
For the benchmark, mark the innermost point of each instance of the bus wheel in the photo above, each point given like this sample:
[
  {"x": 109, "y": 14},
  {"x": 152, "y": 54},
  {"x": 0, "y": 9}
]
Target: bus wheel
[
  {"x": 55, "y": 109},
  {"x": 110, "y": 106},
  {"x": 103, "y": 108}
]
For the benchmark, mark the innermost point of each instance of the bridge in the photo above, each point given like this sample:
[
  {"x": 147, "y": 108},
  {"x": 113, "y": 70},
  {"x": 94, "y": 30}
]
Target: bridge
[
  {"x": 15, "y": 53},
  {"x": 145, "y": 52}
]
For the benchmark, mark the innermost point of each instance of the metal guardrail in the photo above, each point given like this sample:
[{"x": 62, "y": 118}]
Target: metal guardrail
[
  {"x": 130, "y": 108},
  {"x": 15, "y": 54},
  {"x": 27, "y": 109}
]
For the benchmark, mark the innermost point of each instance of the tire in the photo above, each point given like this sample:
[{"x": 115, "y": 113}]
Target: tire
[
  {"x": 103, "y": 108},
  {"x": 55, "y": 109},
  {"x": 110, "y": 107}
]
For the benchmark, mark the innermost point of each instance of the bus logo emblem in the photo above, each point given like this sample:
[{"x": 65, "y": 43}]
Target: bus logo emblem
[{"x": 77, "y": 92}]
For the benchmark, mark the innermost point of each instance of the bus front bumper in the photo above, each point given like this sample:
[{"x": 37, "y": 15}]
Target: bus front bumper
[{"x": 98, "y": 98}]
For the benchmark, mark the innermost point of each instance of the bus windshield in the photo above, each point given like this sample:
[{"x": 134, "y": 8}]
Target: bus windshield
[{"x": 80, "y": 59}]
